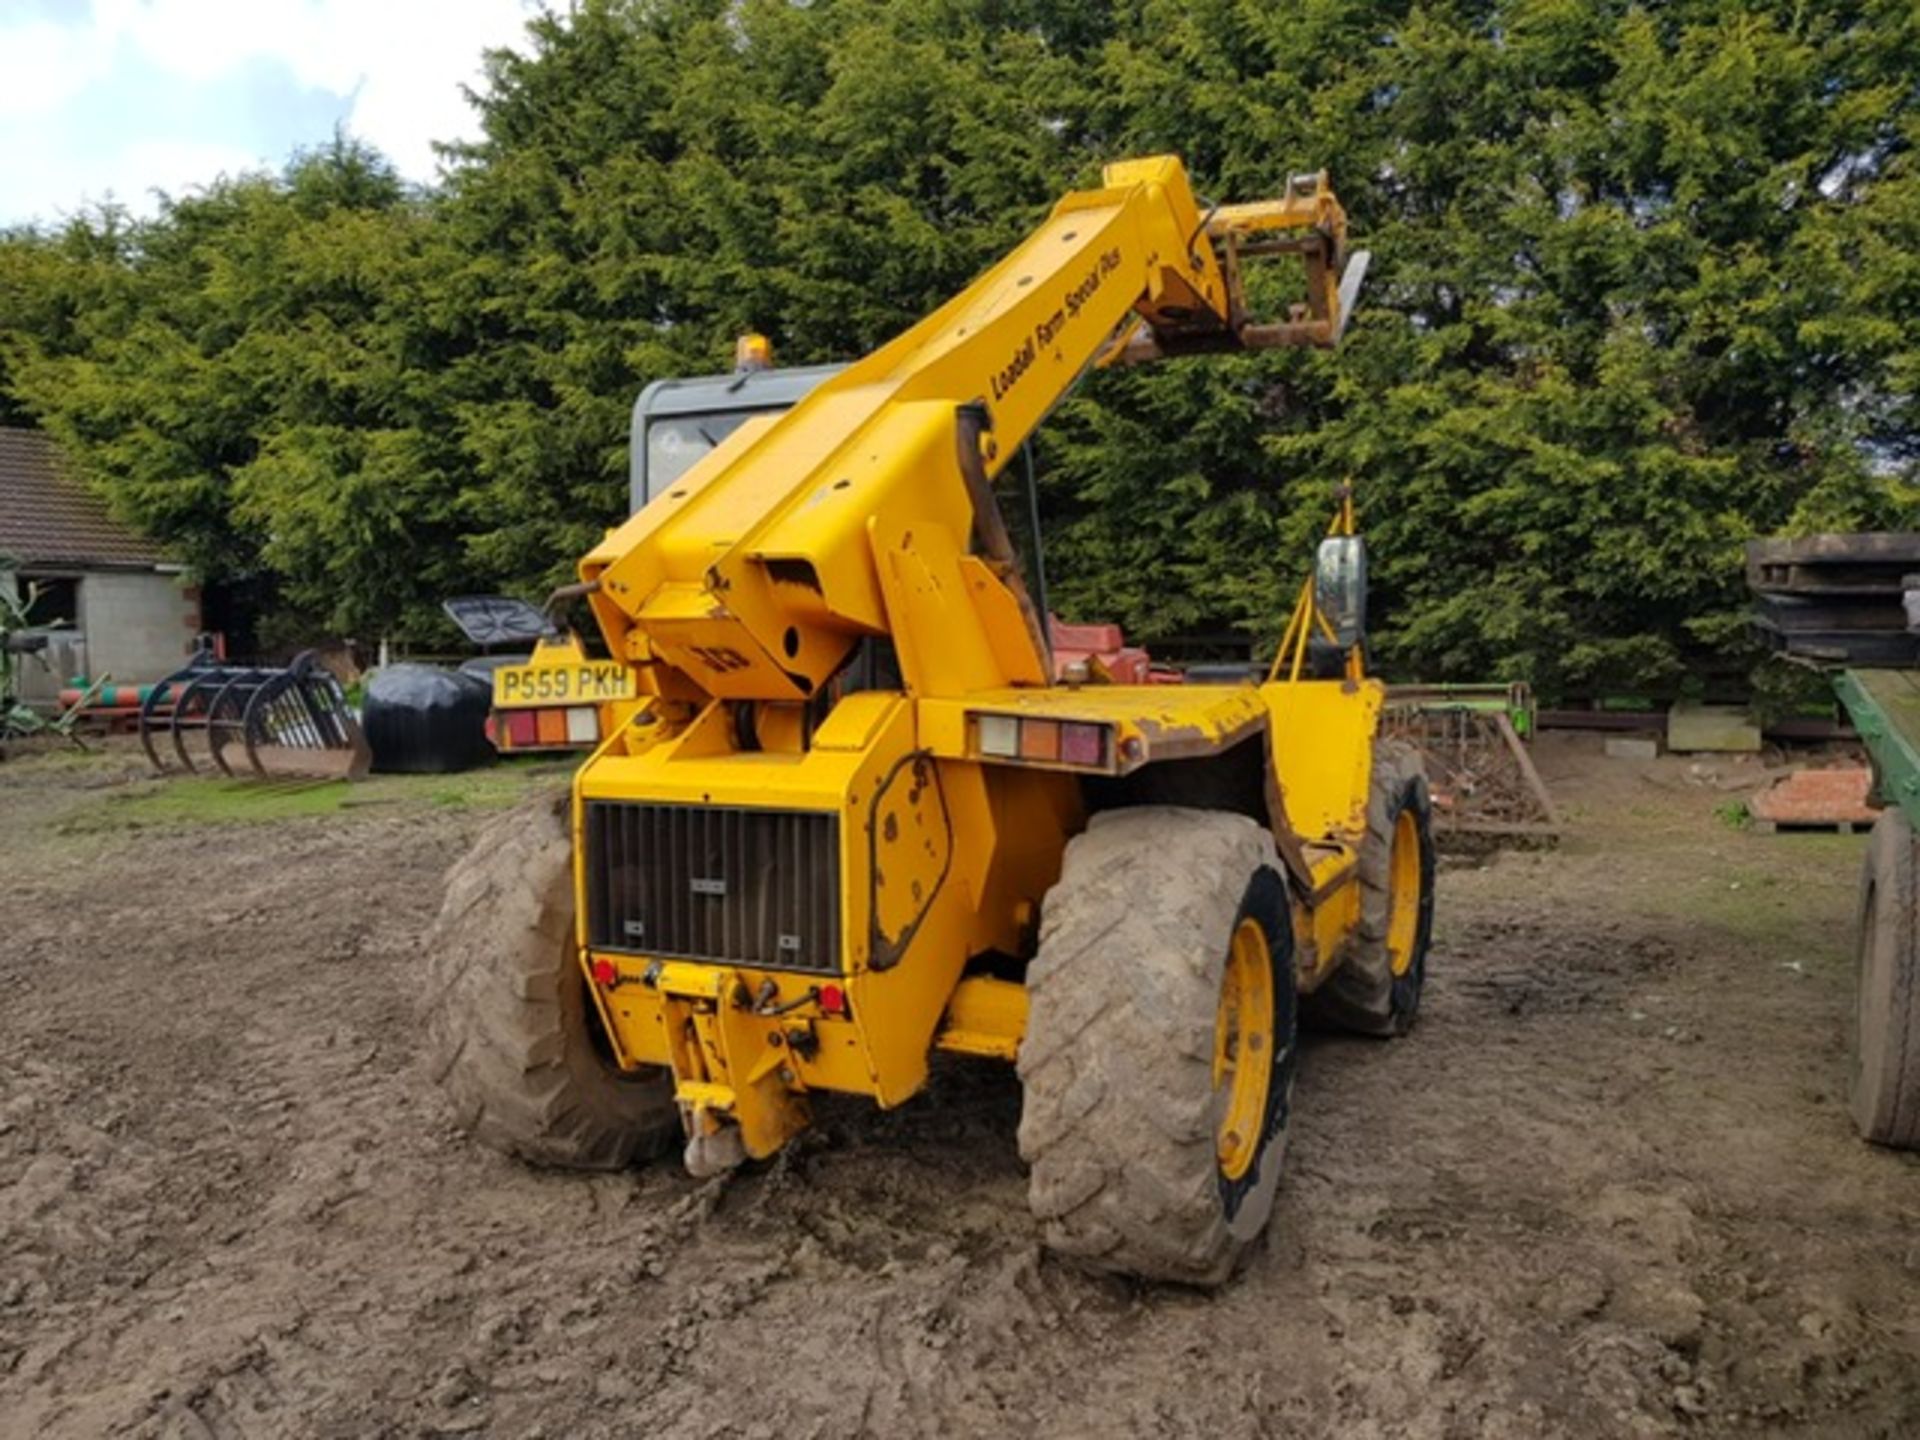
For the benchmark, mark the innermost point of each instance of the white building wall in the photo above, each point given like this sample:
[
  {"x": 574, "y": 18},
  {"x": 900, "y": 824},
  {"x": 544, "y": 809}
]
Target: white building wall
[{"x": 138, "y": 626}]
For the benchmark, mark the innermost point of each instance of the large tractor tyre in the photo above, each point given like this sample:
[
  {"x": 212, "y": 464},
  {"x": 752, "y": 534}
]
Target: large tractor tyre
[
  {"x": 1160, "y": 1049},
  {"x": 513, "y": 1037},
  {"x": 1886, "y": 1035},
  {"x": 1376, "y": 989}
]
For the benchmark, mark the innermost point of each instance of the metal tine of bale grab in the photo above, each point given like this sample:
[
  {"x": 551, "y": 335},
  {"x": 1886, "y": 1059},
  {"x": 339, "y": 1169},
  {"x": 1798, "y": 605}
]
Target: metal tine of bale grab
[{"x": 301, "y": 710}]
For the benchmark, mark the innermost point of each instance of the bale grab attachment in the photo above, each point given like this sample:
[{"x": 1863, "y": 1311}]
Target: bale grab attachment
[{"x": 288, "y": 722}]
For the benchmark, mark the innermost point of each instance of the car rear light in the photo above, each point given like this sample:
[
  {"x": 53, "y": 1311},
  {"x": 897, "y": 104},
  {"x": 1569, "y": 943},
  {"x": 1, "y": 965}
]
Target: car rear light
[
  {"x": 999, "y": 735},
  {"x": 545, "y": 728},
  {"x": 1044, "y": 741},
  {"x": 1039, "y": 740},
  {"x": 1083, "y": 744}
]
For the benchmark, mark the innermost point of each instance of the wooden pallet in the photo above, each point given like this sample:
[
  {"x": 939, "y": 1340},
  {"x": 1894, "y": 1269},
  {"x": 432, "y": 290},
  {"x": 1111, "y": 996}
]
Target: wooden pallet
[{"x": 1834, "y": 800}]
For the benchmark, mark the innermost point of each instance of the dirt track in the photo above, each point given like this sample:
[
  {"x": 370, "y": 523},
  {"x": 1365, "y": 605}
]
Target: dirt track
[{"x": 1607, "y": 1188}]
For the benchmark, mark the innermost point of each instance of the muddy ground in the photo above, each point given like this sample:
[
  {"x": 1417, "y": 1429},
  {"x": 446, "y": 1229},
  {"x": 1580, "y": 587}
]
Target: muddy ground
[{"x": 1607, "y": 1188}]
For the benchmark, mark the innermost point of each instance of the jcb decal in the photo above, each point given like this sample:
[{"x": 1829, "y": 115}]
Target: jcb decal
[{"x": 721, "y": 657}]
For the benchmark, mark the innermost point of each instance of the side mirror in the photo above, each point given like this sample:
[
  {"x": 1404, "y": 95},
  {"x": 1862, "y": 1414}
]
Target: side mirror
[{"x": 1340, "y": 587}]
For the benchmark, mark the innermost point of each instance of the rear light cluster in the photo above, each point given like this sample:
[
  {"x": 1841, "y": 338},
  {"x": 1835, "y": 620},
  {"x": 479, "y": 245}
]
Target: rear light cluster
[
  {"x": 1044, "y": 742},
  {"x": 546, "y": 729}
]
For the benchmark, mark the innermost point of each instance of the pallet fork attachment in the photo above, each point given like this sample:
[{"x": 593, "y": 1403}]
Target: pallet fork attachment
[{"x": 1308, "y": 222}]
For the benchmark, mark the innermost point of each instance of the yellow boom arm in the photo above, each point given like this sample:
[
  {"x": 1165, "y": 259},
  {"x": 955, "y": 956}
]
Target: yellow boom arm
[{"x": 755, "y": 576}]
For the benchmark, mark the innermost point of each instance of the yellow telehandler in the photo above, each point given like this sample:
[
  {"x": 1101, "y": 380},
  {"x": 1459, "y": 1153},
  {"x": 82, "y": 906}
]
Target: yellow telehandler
[{"x": 846, "y": 818}]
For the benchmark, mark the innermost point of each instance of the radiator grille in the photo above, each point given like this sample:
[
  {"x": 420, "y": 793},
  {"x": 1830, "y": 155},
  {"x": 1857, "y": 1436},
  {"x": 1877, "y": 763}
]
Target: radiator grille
[{"x": 694, "y": 882}]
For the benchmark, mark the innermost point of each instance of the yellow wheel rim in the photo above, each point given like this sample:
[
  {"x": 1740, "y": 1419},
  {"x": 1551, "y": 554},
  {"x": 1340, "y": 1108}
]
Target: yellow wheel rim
[
  {"x": 1403, "y": 892},
  {"x": 1243, "y": 1048}
]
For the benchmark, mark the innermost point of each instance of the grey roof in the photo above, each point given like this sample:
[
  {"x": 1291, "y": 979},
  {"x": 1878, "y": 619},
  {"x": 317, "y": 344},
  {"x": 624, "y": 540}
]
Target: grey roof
[{"x": 49, "y": 517}]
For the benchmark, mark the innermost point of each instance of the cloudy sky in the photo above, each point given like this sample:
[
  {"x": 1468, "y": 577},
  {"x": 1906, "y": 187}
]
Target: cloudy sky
[{"x": 122, "y": 97}]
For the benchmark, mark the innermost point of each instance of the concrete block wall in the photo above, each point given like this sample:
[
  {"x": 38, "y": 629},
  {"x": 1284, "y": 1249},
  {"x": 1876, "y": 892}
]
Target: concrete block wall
[{"x": 138, "y": 626}]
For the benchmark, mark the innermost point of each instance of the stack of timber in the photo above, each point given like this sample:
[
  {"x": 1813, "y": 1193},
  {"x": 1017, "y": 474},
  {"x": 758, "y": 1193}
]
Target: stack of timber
[{"x": 1839, "y": 599}]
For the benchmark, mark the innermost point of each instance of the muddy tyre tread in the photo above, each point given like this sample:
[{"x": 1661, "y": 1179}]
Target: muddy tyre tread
[
  {"x": 1886, "y": 1038},
  {"x": 1117, "y": 1121},
  {"x": 1359, "y": 997},
  {"x": 507, "y": 1018}
]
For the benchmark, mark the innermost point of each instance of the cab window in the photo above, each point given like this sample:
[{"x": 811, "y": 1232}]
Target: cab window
[{"x": 674, "y": 442}]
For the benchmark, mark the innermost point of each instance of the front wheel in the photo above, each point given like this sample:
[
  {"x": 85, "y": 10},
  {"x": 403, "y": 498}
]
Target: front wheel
[
  {"x": 514, "y": 1038},
  {"x": 1886, "y": 1029},
  {"x": 1160, "y": 1049}
]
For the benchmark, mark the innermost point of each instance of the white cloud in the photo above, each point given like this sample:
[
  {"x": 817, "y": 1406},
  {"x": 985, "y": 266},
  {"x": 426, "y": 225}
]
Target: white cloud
[
  {"x": 46, "y": 183},
  {"x": 177, "y": 166},
  {"x": 403, "y": 61},
  {"x": 398, "y": 64},
  {"x": 43, "y": 65},
  {"x": 409, "y": 90}
]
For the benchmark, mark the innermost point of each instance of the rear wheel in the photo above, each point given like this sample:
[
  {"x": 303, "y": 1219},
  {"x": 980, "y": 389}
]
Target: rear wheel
[
  {"x": 1160, "y": 1049},
  {"x": 514, "y": 1037},
  {"x": 1886, "y": 1033},
  {"x": 1376, "y": 990}
]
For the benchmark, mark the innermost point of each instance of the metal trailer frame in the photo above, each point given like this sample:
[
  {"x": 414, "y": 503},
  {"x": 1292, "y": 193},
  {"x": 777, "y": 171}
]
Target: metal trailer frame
[{"x": 1885, "y": 708}]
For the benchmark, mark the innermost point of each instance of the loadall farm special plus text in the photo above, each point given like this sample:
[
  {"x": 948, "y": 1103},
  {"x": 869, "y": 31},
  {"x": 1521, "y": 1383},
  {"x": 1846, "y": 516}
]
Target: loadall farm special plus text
[{"x": 848, "y": 818}]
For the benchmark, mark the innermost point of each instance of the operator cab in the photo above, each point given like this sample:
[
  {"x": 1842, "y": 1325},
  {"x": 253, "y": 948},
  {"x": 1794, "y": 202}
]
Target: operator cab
[{"x": 675, "y": 422}]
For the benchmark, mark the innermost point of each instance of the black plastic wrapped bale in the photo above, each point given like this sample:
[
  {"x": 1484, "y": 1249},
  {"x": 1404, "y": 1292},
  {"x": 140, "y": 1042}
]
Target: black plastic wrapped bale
[{"x": 426, "y": 719}]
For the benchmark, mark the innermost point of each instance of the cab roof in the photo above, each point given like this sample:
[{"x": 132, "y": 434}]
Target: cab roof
[{"x": 749, "y": 389}]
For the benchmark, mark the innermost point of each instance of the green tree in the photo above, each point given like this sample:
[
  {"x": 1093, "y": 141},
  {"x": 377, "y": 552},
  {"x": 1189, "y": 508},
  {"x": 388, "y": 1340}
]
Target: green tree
[
  {"x": 1617, "y": 323},
  {"x": 1644, "y": 287},
  {"x": 246, "y": 377}
]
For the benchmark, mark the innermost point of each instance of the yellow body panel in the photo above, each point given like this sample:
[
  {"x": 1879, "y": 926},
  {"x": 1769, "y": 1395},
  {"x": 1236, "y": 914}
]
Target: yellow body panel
[
  {"x": 937, "y": 859},
  {"x": 1325, "y": 728},
  {"x": 864, "y": 517},
  {"x": 954, "y": 635},
  {"x": 1326, "y": 914},
  {"x": 986, "y": 1017}
]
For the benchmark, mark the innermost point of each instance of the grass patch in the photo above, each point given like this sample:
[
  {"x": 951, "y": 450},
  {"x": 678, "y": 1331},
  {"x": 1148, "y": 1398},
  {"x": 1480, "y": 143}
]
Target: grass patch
[
  {"x": 196, "y": 801},
  {"x": 1779, "y": 894}
]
